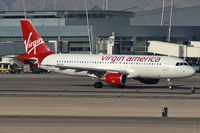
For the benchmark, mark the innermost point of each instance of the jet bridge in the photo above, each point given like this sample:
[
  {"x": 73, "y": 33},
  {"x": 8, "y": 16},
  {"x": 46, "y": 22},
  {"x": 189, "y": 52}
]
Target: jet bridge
[
  {"x": 172, "y": 49},
  {"x": 190, "y": 52}
]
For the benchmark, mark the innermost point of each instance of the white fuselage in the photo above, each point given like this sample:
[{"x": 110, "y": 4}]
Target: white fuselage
[{"x": 134, "y": 65}]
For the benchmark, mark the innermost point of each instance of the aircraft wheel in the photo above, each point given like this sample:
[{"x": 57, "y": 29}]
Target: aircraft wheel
[
  {"x": 171, "y": 87},
  {"x": 98, "y": 84}
]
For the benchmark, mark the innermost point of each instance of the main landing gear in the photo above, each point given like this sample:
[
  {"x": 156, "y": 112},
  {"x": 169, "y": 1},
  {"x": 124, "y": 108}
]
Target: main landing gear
[
  {"x": 170, "y": 84},
  {"x": 98, "y": 84}
]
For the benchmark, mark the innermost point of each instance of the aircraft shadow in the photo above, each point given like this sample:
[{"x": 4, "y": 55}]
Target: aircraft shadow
[{"x": 144, "y": 89}]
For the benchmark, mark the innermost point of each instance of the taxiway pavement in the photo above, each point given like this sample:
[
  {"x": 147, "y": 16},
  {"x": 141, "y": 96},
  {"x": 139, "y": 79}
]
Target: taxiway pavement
[{"x": 59, "y": 103}]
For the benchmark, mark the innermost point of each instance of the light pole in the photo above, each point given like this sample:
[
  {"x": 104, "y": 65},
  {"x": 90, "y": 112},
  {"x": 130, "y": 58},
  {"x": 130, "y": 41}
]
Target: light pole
[
  {"x": 163, "y": 10},
  {"x": 54, "y": 4},
  {"x": 88, "y": 25},
  {"x": 24, "y": 9},
  {"x": 42, "y": 4},
  {"x": 170, "y": 22}
]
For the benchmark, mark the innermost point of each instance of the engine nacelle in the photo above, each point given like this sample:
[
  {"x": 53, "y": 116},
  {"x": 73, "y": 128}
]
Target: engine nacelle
[
  {"x": 118, "y": 79},
  {"x": 149, "y": 81}
]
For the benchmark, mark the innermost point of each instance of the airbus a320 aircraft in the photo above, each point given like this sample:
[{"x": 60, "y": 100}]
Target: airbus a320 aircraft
[{"x": 113, "y": 69}]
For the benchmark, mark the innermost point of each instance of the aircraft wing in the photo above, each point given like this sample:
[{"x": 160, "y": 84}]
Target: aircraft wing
[{"x": 95, "y": 71}]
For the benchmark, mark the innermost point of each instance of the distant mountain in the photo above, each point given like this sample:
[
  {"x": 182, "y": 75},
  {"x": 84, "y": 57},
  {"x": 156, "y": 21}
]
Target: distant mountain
[{"x": 79, "y": 4}]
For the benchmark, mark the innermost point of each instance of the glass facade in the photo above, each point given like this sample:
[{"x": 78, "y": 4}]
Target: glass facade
[
  {"x": 46, "y": 39},
  {"x": 182, "y": 40},
  {"x": 20, "y": 39},
  {"x": 125, "y": 42},
  {"x": 97, "y": 16},
  {"x": 141, "y": 42},
  {"x": 11, "y": 39},
  {"x": 80, "y": 43}
]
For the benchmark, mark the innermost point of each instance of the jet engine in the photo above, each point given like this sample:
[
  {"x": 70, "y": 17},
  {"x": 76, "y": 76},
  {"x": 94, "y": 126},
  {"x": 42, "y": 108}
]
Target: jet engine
[
  {"x": 149, "y": 81},
  {"x": 118, "y": 79}
]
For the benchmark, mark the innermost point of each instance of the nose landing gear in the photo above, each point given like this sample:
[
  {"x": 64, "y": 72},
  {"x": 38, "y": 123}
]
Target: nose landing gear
[{"x": 170, "y": 84}]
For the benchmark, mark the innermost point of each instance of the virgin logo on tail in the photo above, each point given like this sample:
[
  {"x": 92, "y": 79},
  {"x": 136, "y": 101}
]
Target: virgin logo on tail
[{"x": 30, "y": 46}]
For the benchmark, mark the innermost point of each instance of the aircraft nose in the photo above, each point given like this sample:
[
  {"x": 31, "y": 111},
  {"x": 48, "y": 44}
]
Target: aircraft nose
[{"x": 191, "y": 71}]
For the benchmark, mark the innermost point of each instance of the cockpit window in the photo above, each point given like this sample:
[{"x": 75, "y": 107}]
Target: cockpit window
[
  {"x": 177, "y": 64},
  {"x": 181, "y": 64}
]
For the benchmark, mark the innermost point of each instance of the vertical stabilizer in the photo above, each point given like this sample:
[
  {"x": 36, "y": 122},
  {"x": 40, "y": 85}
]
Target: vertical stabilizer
[
  {"x": 33, "y": 42},
  {"x": 36, "y": 49}
]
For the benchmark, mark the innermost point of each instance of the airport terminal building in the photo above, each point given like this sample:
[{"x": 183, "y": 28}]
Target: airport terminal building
[{"x": 69, "y": 29}]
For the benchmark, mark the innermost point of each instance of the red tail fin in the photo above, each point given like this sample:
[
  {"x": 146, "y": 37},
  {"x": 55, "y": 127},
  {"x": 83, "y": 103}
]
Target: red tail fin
[
  {"x": 36, "y": 49},
  {"x": 33, "y": 42}
]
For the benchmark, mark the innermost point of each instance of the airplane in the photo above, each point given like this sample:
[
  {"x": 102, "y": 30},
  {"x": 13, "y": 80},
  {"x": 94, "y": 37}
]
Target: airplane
[{"x": 113, "y": 69}]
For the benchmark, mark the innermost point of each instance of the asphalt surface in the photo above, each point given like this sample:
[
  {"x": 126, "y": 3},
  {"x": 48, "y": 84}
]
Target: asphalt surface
[
  {"x": 59, "y": 103},
  {"x": 98, "y": 125},
  {"x": 52, "y": 84}
]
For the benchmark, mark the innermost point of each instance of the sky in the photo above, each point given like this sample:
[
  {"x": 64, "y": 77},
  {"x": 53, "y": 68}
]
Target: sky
[{"x": 17, "y": 5}]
